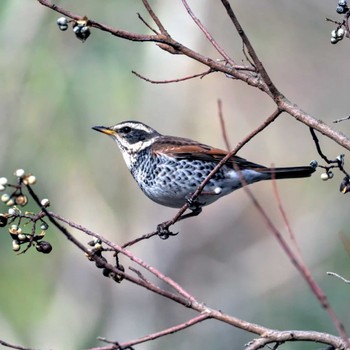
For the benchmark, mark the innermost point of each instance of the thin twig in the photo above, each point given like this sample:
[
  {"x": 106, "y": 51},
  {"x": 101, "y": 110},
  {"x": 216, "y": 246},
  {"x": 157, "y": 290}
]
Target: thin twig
[
  {"x": 140, "y": 275},
  {"x": 301, "y": 267},
  {"x": 130, "y": 255},
  {"x": 223, "y": 127},
  {"x": 207, "y": 312},
  {"x": 173, "y": 46},
  {"x": 146, "y": 24},
  {"x": 332, "y": 21},
  {"x": 13, "y": 346},
  {"x": 200, "y": 318},
  {"x": 208, "y": 35},
  {"x": 155, "y": 18},
  {"x": 185, "y": 298},
  {"x": 139, "y": 239},
  {"x": 243, "y": 142},
  {"x": 247, "y": 57},
  {"x": 116, "y": 32},
  {"x": 285, "y": 219},
  {"x": 201, "y": 75},
  {"x": 341, "y": 119},
  {"x": 338, "y": 276},
  {"x": 251, "y": 51},
  {"x": 318, "y": 147}
]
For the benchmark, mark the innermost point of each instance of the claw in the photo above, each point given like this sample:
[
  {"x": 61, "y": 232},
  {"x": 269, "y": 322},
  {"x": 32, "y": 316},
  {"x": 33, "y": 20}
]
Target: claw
[{"x": 163, "y": 231}]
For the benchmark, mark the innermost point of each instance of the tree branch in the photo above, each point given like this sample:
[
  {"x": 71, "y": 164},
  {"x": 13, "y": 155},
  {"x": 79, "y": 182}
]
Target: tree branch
[
  {"x": 262, "y": 82},
  {"x": 164, "y": 332},
  {"x": 208, "y": 35}
]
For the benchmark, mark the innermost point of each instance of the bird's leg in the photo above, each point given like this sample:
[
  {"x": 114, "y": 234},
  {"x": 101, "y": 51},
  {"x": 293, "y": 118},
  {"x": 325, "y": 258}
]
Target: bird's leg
[
  {"x": 163, "y": 230},
  {"x": 194, "y": 212},
  {"x": 194, "y": 205},
  {"x": 196, "y": 208}
]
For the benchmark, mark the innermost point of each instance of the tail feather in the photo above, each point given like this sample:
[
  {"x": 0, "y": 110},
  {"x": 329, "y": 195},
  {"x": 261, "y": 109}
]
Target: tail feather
[{"x": 289, "y": 172}]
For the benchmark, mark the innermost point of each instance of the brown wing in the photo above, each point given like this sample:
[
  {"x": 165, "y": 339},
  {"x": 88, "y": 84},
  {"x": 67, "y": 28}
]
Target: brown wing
[{"x": 182, "y": 148}]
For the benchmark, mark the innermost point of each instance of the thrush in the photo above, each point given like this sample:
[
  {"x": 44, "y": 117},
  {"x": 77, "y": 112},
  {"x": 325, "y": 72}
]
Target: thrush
[{"x": 169, "y": 169}]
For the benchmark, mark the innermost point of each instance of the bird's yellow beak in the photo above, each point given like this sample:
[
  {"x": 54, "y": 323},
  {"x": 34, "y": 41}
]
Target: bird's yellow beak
[{"x": 104, "y": 129}]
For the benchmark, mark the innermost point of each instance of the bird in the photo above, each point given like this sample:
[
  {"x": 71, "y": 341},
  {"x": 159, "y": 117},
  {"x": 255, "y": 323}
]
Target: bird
[{"x": 169, "y": 169}]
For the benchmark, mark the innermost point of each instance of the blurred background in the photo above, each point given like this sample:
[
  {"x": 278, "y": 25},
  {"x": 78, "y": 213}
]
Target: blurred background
[{"x": 55, "y": 88}]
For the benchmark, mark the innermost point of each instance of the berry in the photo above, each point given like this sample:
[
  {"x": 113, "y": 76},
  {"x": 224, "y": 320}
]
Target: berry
[
  {"x": 334, "y": 40},
  {"x": 340, "y": 33},
  {"x": 340, "y": 9},
  {"x": 44, "y": 226},
  {"x": 3, "y": 220},
  {"x": 43, "y": 247},
  {"x": 62, "y": 23},
  {"x": 29, "y": 180},
  {"x": 5, "y": 197},
  {"x": 324, "y": 176},
  {"x": 15, "y": 246},
  {"x": 45, "y": 202},
  {"x": 21, "y": 200},
  {"x": 12, "y": 211},
  {"x": 19, "y": 173}
]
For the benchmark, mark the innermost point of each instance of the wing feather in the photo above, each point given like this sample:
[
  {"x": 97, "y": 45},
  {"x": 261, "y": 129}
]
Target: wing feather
[{"x": 182, "y": 148}]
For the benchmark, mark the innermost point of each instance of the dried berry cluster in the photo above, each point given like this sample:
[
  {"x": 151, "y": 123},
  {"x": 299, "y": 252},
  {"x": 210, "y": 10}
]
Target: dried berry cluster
[
  {"x": 16, "y": 197},
  {"x": 342, "y": 7},
  {"x": 339, "y": 33},
  {"x": 25, "y": 228},
  {"x": 338, "y": 163},
  {"x": 81, "y": 27},
  {"x": 100, "y": 262}
]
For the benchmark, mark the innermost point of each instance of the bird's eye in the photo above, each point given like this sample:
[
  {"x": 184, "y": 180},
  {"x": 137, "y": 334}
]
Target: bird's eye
[{"x": 125, "y": 130}]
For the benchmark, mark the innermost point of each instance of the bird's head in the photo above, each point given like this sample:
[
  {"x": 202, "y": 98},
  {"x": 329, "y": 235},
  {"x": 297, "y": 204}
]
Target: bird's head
[{"x": 132, "y": 137}]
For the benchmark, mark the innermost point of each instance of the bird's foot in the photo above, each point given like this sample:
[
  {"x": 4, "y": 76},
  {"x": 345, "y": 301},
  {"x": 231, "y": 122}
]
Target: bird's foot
[
  {"x": 194, "y": 204},
  {"x": 164, "y": 232}
]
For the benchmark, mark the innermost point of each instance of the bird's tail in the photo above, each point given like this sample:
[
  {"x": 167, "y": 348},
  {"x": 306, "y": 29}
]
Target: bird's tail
[{"x": 289, "y": 172}]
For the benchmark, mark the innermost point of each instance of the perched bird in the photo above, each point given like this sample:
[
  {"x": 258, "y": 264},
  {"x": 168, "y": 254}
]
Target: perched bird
[{"x": 169, "y": 169}]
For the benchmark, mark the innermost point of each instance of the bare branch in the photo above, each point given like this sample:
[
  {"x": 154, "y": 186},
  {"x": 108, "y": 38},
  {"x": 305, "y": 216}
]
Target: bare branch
[
  {"x": 341, "y": 119},
  {"x": 155, "y": 18},
  {"x": 285, "y": 219},
  {"x": 146, "y": 24},
  {"x": 223, "y": 127},
  {"x": 284, "y": 336},
  {"x": 301, "y": 267},
  {"x": 208, "y": 35},
  {"x": 338, "y": 276},
  {"x": 132, "y": 257},
  {"x": 116, "y": 32},
  {"x": 264, "y": 84},
  {"x": 164, "y": 332},
  {"x": 251, "y": 51},
  {"x": 13, "y": 346},
  {"x": 53, "y": 219},
  {"x": 201, "y": 75},
  {"x": 269, "y": 335}
]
